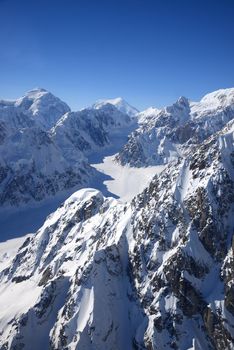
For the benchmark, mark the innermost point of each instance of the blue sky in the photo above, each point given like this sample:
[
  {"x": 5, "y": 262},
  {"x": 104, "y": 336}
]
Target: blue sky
[{"x": 148, "y": 51}]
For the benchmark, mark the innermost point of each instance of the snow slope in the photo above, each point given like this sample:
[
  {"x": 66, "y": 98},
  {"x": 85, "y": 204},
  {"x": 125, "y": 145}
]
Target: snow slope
[{"x": 8, "y": 250}]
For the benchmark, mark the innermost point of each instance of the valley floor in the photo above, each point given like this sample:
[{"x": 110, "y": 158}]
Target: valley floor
[{"x": 126, "y": 182}]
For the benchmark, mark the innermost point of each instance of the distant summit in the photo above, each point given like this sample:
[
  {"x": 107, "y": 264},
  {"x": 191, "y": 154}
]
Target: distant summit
[
  {"x": 44, "y": 106},
  {"x": 119, "y": 103}
]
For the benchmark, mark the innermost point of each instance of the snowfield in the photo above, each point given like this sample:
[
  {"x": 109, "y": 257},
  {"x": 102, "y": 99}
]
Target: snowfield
[{"x": 126, "y": 182}]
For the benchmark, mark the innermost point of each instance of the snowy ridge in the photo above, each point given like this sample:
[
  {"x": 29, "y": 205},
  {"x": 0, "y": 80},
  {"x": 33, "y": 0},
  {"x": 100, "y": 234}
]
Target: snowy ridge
[
  {"x": 167, "y": 134},
  {"x": 147, "y": 114},
  {"x": 151, "y": 274}
]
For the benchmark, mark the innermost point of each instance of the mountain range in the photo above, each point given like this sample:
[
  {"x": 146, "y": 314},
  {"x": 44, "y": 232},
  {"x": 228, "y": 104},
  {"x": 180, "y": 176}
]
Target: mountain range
[
  {"x": 154, "y": 273},
  {"x": 166, "y": 134},
  {"x": 44, "y": 146}
]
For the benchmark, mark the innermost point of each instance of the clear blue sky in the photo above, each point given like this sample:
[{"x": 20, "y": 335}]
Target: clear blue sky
[{"x": 148, "y": 51}]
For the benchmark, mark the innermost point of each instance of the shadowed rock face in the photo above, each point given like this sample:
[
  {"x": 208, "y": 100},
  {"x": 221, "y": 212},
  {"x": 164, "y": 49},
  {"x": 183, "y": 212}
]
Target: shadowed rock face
[
  {"x": 156, "y": 273},
  {"x": 183, "y": 133}
]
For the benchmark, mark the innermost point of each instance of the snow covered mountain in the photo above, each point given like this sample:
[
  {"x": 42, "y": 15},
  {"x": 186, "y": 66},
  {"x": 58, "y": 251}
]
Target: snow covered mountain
[
  {"x": 151, "y": 274},
  {"x": 43, "y": 146},
  {"x": 32, "y": 167},
  {"x": 43, "y": 106},
  {"x": 165, "y": 135},
  {"x": 89, "y": 129},
  {"x": 119, "y": 103}
]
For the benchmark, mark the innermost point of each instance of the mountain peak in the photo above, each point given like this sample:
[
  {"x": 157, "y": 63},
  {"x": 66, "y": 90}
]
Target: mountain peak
[
  {"x": 38, "y": 89},
  {"x": 44, "y": 106},
  {"x": 36, "y": 92},
  {"x": 119, "y": 103},
  {"x": 182, "y": 101},
  {"x": 117, "y": 100}
]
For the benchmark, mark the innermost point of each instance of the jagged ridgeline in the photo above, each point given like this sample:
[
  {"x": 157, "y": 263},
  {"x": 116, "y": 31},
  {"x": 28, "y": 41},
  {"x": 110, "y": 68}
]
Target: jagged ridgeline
[
  {"x": 166, "y": 134},
  {"x": 156, "y": 273}
]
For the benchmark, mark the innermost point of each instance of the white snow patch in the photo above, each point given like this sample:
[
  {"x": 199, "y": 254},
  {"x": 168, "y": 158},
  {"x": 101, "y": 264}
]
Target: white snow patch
[
  {"x": 86, "y": 307},
  {"x": 8, "y": 250},
  {"x": 16, "y": 299},
  {"x": 126, "y": 181}
]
